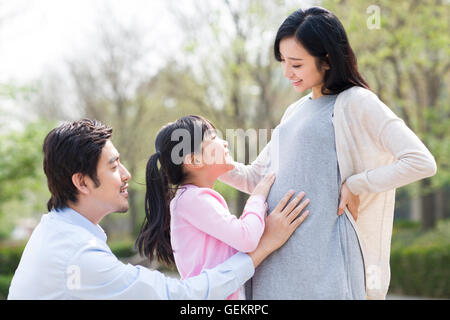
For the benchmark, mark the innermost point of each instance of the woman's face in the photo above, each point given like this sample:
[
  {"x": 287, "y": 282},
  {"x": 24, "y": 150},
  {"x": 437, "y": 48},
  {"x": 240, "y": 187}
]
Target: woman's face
[{"x": 299, "y": 66}]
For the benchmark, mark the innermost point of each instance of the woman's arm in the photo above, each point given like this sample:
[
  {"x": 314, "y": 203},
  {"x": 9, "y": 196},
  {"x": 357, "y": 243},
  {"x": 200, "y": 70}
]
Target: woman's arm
[
  {"x": 412, "y": 162},
  {"x": 246, "y": 177}
]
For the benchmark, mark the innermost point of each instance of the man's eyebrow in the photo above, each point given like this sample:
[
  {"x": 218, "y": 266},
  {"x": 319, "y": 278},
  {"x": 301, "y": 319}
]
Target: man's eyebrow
[{"x": 112, "y": 160}]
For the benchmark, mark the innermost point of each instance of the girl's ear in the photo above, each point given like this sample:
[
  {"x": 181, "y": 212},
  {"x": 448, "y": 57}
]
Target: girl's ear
[
  {"x": 79, "y": 181},
  {"x": 193, "y": 161}
]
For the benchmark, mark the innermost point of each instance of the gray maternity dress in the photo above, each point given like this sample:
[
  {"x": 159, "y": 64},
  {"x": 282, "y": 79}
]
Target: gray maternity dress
[{"x": 322, "y": 259}]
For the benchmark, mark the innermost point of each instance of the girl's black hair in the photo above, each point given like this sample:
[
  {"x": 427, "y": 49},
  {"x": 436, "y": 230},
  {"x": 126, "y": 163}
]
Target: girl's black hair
[
  {"x": 321, "y": 33},
  {"x": 173, "y": 142}
]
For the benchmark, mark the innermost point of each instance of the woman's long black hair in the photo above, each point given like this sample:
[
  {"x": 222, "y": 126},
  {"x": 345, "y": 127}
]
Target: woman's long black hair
[
  {"x": 321, "y": 33},
  {"x": 173, "y": 142}
]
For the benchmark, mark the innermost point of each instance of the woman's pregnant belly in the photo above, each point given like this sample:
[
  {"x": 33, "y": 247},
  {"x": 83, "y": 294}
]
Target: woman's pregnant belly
[{"x": 316, "y": 262}]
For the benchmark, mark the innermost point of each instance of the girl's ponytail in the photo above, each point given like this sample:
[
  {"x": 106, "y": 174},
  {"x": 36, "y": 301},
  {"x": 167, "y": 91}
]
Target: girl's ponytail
[{"x": 154, "y": 238}]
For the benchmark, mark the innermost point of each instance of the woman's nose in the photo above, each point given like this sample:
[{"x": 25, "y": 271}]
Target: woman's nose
[{"x": 287, "y": 71}]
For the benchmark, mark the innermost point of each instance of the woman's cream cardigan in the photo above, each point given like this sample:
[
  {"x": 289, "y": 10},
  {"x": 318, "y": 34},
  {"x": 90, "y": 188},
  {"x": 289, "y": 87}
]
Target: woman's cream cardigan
[{"x": 376, "y": 153}]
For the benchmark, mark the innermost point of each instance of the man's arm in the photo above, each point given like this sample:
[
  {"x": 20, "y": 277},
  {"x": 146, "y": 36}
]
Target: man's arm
[
  {"x": 97, "y": 274},
  {"x": 100, "y": 275}
]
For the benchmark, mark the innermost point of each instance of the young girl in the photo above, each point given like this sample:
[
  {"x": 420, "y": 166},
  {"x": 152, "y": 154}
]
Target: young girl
[
  {"x": 190, "y": 224},
  {"x": 348, "y": 151}
]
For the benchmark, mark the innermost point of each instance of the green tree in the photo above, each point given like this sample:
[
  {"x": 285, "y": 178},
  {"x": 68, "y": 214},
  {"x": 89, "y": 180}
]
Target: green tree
[
  {"x": 228, "y": 49},
  {"x": 21, "y": 175},
  {"x": 116, "y": 87},
  {"x": 403, "y": 49}
]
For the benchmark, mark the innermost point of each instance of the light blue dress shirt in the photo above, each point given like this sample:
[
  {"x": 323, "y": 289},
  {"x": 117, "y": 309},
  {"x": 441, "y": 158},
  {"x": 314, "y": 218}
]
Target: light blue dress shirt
[{"x": 67, "y": 257}]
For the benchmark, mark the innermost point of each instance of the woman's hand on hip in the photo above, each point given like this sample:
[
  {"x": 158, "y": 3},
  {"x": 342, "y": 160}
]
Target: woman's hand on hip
[{"x": 349, "y": 200}]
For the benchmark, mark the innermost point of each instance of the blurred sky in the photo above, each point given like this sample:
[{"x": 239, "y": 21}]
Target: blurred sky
[
  {"x": 39, "y": 37},
  {"x": 39, "y": 34}
]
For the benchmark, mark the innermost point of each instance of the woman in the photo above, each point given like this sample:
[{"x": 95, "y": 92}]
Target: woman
[{"x": 348, "y": 151}]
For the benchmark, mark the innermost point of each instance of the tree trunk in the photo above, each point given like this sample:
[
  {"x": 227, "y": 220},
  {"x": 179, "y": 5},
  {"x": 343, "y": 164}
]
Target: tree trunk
[
  {"x": 428, "y": 205},
  {"x": 416, "y": 208},
  {"x": 439, "y": 203},
  {"x": 446, "y": 204}
]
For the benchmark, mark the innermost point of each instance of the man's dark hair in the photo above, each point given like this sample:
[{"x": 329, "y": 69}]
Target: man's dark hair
[{"x": 73, "y": 147}]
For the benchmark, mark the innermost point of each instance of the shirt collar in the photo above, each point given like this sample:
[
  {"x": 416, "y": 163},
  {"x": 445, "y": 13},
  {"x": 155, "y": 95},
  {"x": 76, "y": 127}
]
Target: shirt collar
[{"x": 73, "y": 217}]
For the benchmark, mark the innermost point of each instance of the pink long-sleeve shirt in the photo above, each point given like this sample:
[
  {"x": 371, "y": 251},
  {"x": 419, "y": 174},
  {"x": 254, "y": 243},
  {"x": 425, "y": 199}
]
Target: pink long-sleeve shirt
[{"x": 204, "y": 233}]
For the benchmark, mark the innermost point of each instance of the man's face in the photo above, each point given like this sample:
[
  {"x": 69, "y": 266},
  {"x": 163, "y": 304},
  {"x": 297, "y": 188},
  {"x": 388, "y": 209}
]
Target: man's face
[{"x": 111, "y": 194}]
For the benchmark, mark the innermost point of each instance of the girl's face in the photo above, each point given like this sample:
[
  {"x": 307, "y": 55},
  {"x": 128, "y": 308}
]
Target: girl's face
[
  {"x": 300, "y": 67},
  {"x": 212, "y": 161},
  {"x": 215, "y": 154}
]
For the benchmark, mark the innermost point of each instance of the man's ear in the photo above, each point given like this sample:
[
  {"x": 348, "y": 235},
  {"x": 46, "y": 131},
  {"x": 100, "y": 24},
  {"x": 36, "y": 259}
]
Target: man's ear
[{"x": 79, "y": 181}]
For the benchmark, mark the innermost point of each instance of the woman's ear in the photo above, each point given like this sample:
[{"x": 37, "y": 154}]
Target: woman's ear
[
  {"x": 325, "y": 63},
  {"x": 79, "y": 181}
]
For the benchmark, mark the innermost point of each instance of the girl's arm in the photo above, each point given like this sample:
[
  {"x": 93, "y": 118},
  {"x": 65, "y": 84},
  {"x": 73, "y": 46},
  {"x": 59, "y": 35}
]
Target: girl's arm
[
  {"x": 412, "y": 162},
  {"x": 204, "y": 210}
]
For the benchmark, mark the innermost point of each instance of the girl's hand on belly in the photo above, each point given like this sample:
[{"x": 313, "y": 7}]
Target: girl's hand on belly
[
  {"x": 263, "y": 187},
  {"x": 349, "y": 200}
]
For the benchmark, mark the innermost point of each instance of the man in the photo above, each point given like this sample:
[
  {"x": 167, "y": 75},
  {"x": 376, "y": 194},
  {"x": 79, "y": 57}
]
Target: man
[{"x": 67, "y": 256}]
